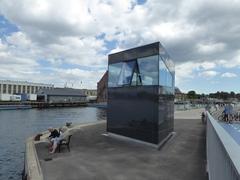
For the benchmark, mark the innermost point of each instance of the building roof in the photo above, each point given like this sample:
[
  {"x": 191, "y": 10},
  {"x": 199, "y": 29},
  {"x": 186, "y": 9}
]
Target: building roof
[
  {"x": 104, "y": 77},
  {"x": 25, "y": 83},
  {"x": 62, "y": 92},
  {"x": 177, "y": 91}
]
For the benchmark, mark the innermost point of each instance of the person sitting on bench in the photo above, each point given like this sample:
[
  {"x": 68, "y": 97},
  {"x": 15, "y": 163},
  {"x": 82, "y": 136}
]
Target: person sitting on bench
[{"x": 55, "y": 137}]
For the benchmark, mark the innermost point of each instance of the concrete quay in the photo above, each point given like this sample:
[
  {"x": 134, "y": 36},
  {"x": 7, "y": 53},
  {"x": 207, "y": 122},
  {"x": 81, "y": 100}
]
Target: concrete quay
[{"x": 97, "y": 156}]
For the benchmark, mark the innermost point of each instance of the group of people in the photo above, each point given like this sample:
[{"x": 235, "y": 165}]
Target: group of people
[{"x": 228, "y": 114}]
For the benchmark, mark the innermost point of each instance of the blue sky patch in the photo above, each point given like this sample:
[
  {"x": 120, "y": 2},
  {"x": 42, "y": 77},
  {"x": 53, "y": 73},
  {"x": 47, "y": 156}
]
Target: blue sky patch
[
  {"x": 141, "y": 1},
  {"x": 6, "y": 28}
]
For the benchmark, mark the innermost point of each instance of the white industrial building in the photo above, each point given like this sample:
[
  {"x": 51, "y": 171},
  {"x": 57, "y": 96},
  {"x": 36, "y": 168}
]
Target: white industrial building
[
  {"x": 9, "y": 88},
  {"x": 58, "y": 95},
  {"x": 19, "y": 87}
]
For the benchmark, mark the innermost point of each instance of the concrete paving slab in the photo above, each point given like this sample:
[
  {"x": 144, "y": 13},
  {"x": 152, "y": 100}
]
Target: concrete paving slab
[
  {"x": 189, "y": 114},
  {"x": 94, "y": 156}
]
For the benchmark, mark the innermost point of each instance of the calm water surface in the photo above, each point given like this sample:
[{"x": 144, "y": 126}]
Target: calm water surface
[{"x": 17, "y": 125}]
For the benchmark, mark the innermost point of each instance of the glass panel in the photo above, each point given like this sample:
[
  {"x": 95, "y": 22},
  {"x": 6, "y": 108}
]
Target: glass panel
[
  {"x": 148, "y": 68},
  {"x": 113, "y": 74},
  {"x": 126, "y": 73},
  {"x": 166, "y": 58},
  {"x": 165, "y": 77},
  {"x": 136, "y": 80}
]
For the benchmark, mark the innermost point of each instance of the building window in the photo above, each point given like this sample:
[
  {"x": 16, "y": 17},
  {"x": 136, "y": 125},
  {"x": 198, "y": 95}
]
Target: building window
[
  {"x": 28, "y": 89},
  {"x": 9, "y": 89},
  {"x": 14, "y": 89},
  {"x": 32, "y": 90},
  {"x": 19, "y": 88},
  {"x": 4, "y": 88},
  {"x": 114, "y": 72},
  {"x": 148, "y": 68},
  {"x": 165, "y": 77},
  {"x": 125, "y": 77},
  {"x": 142, "y": 71},
  {"x": 24, "y": 89}
]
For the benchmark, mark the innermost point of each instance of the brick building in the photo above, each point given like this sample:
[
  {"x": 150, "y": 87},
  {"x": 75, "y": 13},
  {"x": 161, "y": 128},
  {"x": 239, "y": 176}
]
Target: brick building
[{"x": 102, "y": 88}]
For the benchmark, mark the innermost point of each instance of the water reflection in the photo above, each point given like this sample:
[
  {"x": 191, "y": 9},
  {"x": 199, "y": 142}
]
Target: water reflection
[
  {"x": 17, "y": 125},
  {"x": 101, "y": 114}
]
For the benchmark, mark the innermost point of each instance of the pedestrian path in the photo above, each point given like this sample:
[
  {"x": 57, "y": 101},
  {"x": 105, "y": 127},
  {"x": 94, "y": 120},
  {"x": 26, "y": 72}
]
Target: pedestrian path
[
  {"x": 233, "y": 129},
  {"x": 94, "y": 156}
]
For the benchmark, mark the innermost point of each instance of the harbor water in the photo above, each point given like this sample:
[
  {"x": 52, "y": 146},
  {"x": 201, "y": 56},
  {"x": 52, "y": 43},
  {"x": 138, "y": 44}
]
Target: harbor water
[{"x": 17, "y": 125}]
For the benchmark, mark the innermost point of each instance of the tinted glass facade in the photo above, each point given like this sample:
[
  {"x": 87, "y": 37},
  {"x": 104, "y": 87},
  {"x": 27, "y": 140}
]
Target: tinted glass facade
[
  {"x": 141, "y": 93},
  {"x": 135, "y": 72}
]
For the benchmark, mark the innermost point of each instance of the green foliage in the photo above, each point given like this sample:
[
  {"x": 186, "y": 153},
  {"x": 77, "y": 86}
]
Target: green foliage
[
  {"x": 224, "y": 95},
  {"x": 191, "y": 95},
  {"x": 219, "y": 95}
]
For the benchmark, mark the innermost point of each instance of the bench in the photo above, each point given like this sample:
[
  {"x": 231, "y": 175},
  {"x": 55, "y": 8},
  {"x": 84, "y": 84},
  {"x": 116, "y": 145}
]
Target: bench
[{"x": 65, "y": 142}]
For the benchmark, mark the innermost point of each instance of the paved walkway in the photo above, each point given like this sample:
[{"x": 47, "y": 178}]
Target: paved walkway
[
  {"x": 233, "y": 129},
  {"x": 188, "y": 114},
  {"x": 97, "y": 157}
]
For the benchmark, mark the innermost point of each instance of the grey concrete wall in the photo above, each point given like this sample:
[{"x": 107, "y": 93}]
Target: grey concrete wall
[{"x": 223, "y": 159}]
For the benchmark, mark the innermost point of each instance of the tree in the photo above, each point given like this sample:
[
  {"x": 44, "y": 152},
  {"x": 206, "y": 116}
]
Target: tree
[
  {"x": 191, "y": 95},
  {"x": 232, "y": 94}
]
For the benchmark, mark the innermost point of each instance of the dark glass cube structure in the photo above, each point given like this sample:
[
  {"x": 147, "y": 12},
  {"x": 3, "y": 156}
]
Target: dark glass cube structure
[{"x": 141, "y": 93}]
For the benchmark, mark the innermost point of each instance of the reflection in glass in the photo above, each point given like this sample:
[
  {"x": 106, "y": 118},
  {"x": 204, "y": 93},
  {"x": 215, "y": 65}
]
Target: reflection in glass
[
  {"x": 126, "y": 73},
  {"x": 166, "y": 58},
  {"x": 145, "y": 71},
  {"x": 165, "y": 77},
  {"x": 148, "y": 68},
  {"x": 114, "y": 73},
  {"x": 136, "y": 79}
]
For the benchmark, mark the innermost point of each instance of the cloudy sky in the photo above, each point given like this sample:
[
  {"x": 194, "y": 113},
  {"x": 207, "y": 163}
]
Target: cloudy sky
[{"x": 59, "y": 41}]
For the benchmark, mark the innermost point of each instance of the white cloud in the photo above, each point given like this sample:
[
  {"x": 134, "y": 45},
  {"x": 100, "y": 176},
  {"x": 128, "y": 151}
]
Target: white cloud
[
  {"x": 207, "y": 65},
  {"x": 208, "y": 48},
  {"x": 190, "y": 70},
  {"x": 208, "y": 74},
  {"x": 67, "y": 32},
  {"x": 46, "y": 20},
  {"x": 185, "y": 71},
  {"x": 228, "y": 75},
  {"x": 22, "y": 62},
  {"x": 232, "y": 62},
  {"x": 78, "y": 78}
]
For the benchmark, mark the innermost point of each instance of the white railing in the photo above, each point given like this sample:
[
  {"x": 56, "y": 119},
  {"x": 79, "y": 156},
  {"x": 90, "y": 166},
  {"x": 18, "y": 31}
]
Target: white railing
[{"x": 223, "y": 153}]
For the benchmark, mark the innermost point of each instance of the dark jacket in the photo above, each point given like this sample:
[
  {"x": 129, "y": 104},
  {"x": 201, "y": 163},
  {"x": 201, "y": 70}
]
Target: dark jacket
[{"x": 54, "y": 134}]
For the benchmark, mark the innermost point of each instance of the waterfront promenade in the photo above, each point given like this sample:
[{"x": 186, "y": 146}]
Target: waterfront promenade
[{"x": 95, "y": 156}]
